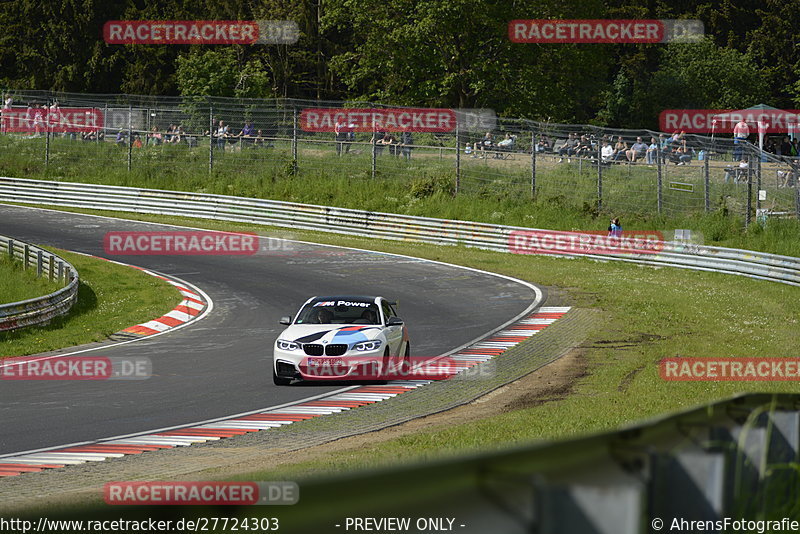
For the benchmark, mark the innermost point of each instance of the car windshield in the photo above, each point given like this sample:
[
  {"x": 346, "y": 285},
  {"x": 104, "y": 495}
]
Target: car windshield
[{"x": 339, "y": 311}]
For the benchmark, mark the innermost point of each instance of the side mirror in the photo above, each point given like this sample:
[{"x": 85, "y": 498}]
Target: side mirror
[
  {"x": 287, "y": 320},
  {"x": 394, "y": 321}
]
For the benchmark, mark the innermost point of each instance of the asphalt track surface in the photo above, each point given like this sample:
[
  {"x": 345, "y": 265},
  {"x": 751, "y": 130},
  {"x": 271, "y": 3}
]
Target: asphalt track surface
[{"x": 221, "y": 365}]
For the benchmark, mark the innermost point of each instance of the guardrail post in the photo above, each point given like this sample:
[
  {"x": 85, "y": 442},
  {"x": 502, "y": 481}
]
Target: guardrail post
[
  {"x": 533, "y": 165},
  {"x": 25, "y": 252},
  {"x": 294, "y": 140},
  {"x": 458, "y": 159},
  {"x": 51, "y": 268},
  {"x": 210, "y": 138},
  {"x": 130, "y": 136},
  {"x": 60, "y": 271},
  {"x": 11, "y": 249},
  {"x": 39, "y": 263},
  {"x": 706, "y": 184},
  {"x": 659, "y": 181}
]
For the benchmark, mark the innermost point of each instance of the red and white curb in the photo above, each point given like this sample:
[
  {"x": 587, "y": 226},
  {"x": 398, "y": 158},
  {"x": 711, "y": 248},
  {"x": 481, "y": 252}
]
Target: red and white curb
[
  {"x": 473, "y": 355},
  {"x": 192, "y": 305}
]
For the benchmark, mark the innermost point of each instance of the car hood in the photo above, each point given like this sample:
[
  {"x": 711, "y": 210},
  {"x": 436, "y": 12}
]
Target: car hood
[{"x": 331, "y": 333}]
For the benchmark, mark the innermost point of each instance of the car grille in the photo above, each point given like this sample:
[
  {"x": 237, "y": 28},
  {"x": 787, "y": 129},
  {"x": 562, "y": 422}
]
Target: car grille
[
  {"x": 335, "y": 349},
  {"x": 313, "y": 349}
]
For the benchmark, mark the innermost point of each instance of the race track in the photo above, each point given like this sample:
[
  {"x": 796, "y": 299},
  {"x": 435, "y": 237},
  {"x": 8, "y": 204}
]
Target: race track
[{"x": 220, "y": 365}]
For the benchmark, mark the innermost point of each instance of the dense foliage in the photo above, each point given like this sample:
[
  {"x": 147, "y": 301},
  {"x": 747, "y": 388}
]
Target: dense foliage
[{"x": 420, "y": 52}]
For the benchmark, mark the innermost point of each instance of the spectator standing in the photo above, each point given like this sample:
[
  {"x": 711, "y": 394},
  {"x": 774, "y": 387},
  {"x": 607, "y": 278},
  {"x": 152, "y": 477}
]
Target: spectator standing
[
  {"x": 247, "y": 133},
  {"x": 340, "y": 136},
  {"x": 615, "y": 228},
  {"x": 222, "y": 135},
  {"x": 406, "y": 143},
  {"x": 740, "y": 134}
]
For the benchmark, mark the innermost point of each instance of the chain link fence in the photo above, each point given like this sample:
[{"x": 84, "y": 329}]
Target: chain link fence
[{"x": 466, "y": 152}]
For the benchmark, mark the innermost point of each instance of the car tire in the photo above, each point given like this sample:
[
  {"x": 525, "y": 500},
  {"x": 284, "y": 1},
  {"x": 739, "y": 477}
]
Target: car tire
[
  {"x": 405, "y": 364},
  {"x": 280, "y": 380}
]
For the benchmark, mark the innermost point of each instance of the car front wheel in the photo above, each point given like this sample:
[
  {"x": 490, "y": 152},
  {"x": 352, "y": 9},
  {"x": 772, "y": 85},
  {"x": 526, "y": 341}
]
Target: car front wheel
[{"x": 280, "y": 380}]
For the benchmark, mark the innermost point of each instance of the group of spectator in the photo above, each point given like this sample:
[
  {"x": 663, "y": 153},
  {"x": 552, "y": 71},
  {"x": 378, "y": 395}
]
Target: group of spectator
[
  {"x": 488, "y": 144},
  {"x": 399, "y": 144},
  {"x": 784, "y": 147},
  {"x": 673, "y": 149}
]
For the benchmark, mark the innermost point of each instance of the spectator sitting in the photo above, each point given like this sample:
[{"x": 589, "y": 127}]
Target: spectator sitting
[
  {"x": 584, "y": 147},
  {"x": 615, "y": 228},
  {"x": 652, "y": 151},
  {"x": 487, "y": 143},
  {"x": 637, "y": 150},
  {"x": 137, "y": 141},
  {"x": 620, "y": 148},
  {"x": 568, "y": 148},
  {"x": 154, "y": 138},
  {"x": 120, "y": 140},
  {"x": 606, "y": 152},
  {"x": 169, "y": 133},
  {"x": 506, "y": 142},
  {"x": 177, "y": 135},
  {"x": 684, "y": 154},
  {"x": 258, "y": 140},
  {"x": 544, "y": 144}
]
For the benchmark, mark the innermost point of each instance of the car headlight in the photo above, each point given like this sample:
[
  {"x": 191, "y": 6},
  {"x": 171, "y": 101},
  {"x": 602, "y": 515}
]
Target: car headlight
[
  {"x": 365, "y": 346},
  {"x": 288, "y": 345}
]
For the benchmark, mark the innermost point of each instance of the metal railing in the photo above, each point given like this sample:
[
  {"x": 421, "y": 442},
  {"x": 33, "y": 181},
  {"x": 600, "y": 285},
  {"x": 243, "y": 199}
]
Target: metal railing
[
  {"x": 499, "y": 238},
  {"x": 40, "y": 310}
]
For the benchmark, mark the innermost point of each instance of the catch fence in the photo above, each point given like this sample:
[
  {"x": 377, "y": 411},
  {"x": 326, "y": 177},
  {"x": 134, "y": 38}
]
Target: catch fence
[{"x": 46, "y": 134}]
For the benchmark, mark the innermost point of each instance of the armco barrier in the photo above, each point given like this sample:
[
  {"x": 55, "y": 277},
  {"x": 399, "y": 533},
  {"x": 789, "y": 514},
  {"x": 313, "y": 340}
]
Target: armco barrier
[
  {"x": 42, "y": 309},
  {"x": 759, "y": 265}
]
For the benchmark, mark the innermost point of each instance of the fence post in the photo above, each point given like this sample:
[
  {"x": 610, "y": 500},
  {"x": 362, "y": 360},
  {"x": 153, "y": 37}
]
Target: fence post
[
  {"x": 659, "y": 181},
  {"x": 39, "y": 263},
  {"x": 458, "y": 159},
  {"x": 130, "y": 136},
  {"x": 294, "y": 140},
  {"x": 758, "y": 180},
  {"x": 533, "y": 165},
  {"x": 373, "y": 158},
  {"x": 749, "y": 197},
  {"x": 599, "y": 182},
  {"x": 210, "y": 138},
  {"x": 47, "y": 136},
  {"x": 706, "y": 184},
  {"x": 795, "y": 177},
  {"x": 102, "y": 129}
]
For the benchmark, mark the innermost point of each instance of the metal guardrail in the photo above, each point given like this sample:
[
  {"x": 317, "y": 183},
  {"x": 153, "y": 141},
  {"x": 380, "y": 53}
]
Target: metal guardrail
[
  {"x": 759, "y": 265},
  {"x": 40, "y": 310}
]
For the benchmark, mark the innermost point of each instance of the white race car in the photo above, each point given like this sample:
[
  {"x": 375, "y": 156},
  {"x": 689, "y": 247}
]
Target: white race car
[{"x": 341, "y": 338}]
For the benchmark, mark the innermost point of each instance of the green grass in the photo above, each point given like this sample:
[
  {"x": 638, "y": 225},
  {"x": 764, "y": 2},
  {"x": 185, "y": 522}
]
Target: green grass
[
  {"x": 110, "y": 297},
  {"x": 18, "y": 284},
  {"x": 649, "y": 314},
  {"x": 491, "y": 191}
]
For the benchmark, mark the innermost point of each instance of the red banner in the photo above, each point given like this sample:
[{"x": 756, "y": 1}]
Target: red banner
[
  {"x": 39, "y": 120},
  {"x": 724, "y": 120},
  {"x": 371, "y": 120},
  {"x": 586, "y": 31}
]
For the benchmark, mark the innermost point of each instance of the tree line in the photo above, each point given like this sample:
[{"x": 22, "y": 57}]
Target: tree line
[{"x": 421, "y": 53}]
